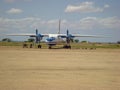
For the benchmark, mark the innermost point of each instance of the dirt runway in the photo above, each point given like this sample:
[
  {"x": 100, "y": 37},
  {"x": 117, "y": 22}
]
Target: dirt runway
[{"x": 59, "y": 69}]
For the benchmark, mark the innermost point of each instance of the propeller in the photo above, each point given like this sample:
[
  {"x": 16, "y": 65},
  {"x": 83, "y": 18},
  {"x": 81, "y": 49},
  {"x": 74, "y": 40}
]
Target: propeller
[
  {"x": 69, "y": 37},
  {"x": 38, "y": 37}
]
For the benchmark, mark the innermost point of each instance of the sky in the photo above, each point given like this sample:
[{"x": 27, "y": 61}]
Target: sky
[{"x": 85, "y": 17}]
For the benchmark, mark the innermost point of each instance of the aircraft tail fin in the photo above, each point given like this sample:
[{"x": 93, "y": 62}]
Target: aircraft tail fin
[
  {"x": 59, "y": 26},
  {"x": 67, "y": 32}
]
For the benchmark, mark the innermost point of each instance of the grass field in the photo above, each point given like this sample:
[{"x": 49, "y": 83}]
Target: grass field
[
  {"x": 59, "y": 69},
  {"x": 74, "y": 45}
]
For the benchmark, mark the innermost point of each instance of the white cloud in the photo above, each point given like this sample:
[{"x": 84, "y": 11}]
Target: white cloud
[
  {"x": 85, "y": 7},
  {"x": 25, "y": 24},
  {"x": 111, "y": 22},
  {"x": 98, "y": 23},
  {"x": 106, "y": 6},
  {"x": 14, "y": 11},
  {"x": 88, "y": 23}
]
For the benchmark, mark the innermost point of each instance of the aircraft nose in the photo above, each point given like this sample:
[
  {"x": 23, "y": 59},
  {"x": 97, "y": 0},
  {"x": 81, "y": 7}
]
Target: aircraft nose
[{"x": 50, "y": 39}]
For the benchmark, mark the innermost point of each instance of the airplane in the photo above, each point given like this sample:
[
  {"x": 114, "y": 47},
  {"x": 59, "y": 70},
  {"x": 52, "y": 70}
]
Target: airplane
[{"x": 54, "y": 39}]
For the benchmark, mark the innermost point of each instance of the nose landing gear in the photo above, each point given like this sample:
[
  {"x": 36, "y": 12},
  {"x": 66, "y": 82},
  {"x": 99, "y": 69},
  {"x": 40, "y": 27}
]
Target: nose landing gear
[{"x": 50, "y": 47}]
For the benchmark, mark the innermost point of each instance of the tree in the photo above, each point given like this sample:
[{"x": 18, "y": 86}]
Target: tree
[
  {"x": 83, "y": 41},
  {"x": 6, "y": 40},
  {"x": 31, "y": 40},
  {"x": 76, "y": 40},
  {"x": 118, "y": 42}
]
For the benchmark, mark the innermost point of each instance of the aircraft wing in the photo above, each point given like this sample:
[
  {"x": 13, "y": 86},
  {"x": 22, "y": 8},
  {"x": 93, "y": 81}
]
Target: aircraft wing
[
  {"x": 31, "y": 35},
  {"x": 78, "y": 35},
  {"x": 96, "y": 36}
]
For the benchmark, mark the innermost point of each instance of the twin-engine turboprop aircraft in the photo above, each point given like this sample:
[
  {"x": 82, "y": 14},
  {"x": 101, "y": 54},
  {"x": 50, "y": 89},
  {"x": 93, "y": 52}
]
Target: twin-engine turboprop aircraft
[{"x": 54, "y": 39}]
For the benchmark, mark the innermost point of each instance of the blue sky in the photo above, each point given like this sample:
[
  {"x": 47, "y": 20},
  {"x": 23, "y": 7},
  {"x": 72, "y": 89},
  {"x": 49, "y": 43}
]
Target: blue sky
[{"x": 94, "y": 17}]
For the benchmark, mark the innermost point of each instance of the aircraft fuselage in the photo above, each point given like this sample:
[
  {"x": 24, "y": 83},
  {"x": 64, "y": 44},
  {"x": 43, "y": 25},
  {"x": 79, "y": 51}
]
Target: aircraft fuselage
[{"x": 53, "y": 39}]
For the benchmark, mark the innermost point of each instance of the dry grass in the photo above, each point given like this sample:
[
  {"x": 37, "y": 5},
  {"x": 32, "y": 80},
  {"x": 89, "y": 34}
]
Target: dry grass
[{"x": 56, "y": 69}]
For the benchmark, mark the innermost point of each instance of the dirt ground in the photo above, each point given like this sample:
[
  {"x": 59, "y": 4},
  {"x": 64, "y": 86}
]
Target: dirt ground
[{"x": 59, "y": 69}]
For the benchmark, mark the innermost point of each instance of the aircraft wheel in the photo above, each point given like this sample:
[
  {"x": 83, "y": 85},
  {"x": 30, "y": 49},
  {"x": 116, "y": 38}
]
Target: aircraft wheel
[
  {"x": 39, "y": 46},
  {"x": 50, "y": 47},
  {"x": 25, "y": 46},
  {"x": 31, "y": 45},
  {"x": 69, "y": 47}
]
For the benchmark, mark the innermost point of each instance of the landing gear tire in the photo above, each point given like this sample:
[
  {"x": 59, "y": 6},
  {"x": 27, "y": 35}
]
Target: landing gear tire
[
  {"x": 31, "y": 45},
  {"x": 50, "y": 47},
  {"x": 67, "y": 47},
  {"x": 39, "y": 46}
]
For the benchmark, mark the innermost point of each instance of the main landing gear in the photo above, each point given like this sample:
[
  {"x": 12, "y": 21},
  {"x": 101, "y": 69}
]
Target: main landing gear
[
  {"x": 39, "y": 46},
  {"x": 67, "y": 46}
]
